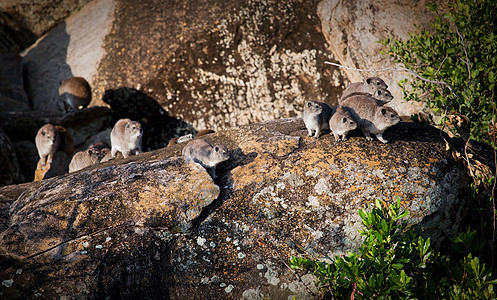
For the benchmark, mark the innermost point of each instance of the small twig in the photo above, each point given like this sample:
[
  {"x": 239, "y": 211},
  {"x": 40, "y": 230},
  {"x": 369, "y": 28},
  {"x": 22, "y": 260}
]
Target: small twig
[
  {"x": 395, "y": 70},
  {"x": 441, "y": 64},
  {"x": 465, "y": 53}
]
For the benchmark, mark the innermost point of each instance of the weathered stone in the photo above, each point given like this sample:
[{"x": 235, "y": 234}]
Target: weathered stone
[
  {"x": 353, "y": 29},
  {"x": 211, "y": 63},
  {"x": 81, "y": 124},
  {"x": 9, "y": 165},
  {"x": 134, "y": 226},
  {"x": 14, "y": 36},
  {"x": 73, "y": 48},
  {"x": 41, "y": 15},
  {"x": 12, "y": 95},
  {"x": 28, "y": 158}
]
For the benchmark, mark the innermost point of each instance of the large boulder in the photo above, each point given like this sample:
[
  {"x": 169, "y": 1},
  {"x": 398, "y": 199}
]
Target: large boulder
[
  {"x": 211, "y": 63},
  {"x": 354, "y": 28},
  {"x": 10, "y": 173},
  {"x": 155, "y": 226},
  {"x": 12, "y": 94}
]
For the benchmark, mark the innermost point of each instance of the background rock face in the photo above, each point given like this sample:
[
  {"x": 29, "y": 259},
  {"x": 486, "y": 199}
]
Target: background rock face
[
  {"x": 353, "y": 29},
  {"x": 210, "y": 63},
  {"x": 137, "y": 227}
]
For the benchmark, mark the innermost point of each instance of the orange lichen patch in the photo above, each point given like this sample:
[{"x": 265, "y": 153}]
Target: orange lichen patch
[{"x": 41, "y": 171}]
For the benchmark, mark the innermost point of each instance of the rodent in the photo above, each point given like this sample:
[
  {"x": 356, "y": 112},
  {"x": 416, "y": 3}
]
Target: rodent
[
  {"x": 126, "y": 137},
  {"x": 370, "y": 117},
  {"x": 47, "y": 142},
  {"x": 83, "y": 159},
  {"x": 381, "y": 96},
  {"x": 75, "y": 93},
  {"x": 370, "y": 86},
  {"x": 341, "y": 122},
  {"x": 316, "y": 117},
  {"x": 202, "y": 152}
]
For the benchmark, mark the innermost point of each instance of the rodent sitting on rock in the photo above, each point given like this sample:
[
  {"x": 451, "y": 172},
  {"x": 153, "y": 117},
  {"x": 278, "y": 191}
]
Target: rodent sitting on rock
[
  {"x": 83, "y": 159},
  {"x": 47, "y": 143},
  {"x": 370, "y": 117},
  {"x": 369, "y": 86},
  {"x": 126, "y": 137},
  {"x": 381, "y": 96},
  {"x": 75, "y": 93},
  {"x": 202, "y": 152},
  {"x": 316, "y": 117},
  {"x": 341, "y": 123}
]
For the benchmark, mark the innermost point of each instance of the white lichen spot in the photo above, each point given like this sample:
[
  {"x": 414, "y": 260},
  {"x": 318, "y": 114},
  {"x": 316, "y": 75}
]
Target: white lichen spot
[
  {"x": 201, "y": 241},
  {"x": 205, "y": 280},
  {"x": 312, "y": 173},
  {"x": 215, "y": 279},
  {"x": 83, "y": 252},
  {"x": 271, "y": 277},
  {"x": 107, "y": 239},
  {"x": 212, "y": 244},
  {"x": 222, "y": 284},
  {"x": 313, "y": 201},
  {"x": 229, "y": 288},
  {"x": 260, "y": 266},
  {"x": 228, "y": 239},
  {"x": 241, "y": 255},
  {"x": 293, "y": 179},
  {"x": 99, "y": 246},
  {"x": 19, "y": 271},
  {"x": 235, "y": 242},
  {"x": 86, "y": 244},
  {"x": 321, "y": 187},
  {"x": 280, "y": 185},
  {"x": 8, "y": 282}
]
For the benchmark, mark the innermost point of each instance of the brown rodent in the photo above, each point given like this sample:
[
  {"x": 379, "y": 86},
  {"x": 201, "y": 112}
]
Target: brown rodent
[
  {"x": 316, "y": 117},
  {"x": 202, "y": 152},
  {"x": 370, "y": 86},
  {"x": 126, "y": 137},
  {"x": 370, "y": 117},
  {"x": 341, "y": 123},
  {"x": 75, "y": 93},
  {"x": 83, "y": 159},
  {"x": 47, "y": 142},
  {"x": 381, "y": 96}
]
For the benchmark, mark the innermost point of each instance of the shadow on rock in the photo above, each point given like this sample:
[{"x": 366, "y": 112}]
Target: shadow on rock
[
  {"x": 158, "y": 126},
  {"x": 225, "y": 180}
]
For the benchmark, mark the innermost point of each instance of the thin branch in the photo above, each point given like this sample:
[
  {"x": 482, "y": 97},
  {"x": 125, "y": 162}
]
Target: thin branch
[
  {"x": 465, "y": 53},
  {"x": 395, "y": 70}
]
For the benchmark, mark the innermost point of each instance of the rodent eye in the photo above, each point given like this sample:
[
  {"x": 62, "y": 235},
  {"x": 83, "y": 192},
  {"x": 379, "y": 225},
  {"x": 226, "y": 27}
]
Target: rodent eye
[
  {"x": 309, "y": 104},
  {"x": 216, "y": 149}
]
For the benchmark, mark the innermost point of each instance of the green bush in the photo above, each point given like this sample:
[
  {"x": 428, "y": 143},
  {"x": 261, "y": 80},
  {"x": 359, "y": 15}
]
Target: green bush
[
  {"x": 394, "y": 263},
  {"x": 457, "y": 60}
]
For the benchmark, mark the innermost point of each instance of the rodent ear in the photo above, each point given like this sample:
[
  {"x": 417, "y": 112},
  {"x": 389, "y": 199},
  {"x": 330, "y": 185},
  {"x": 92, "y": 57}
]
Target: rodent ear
[
  {"x": 383, "y": 111},
  {"x": 90, "y": 152},
  {"x": 216, "y": 148},
  {"x": 368, "y": 81},
  {"x": 344, "y": 119}
]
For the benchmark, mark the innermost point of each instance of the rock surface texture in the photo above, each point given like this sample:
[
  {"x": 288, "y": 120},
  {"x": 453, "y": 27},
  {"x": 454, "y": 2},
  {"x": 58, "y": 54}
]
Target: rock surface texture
[
  {"x": 153, "y": 226},
  {"x": 211, "y": 63},
  {"x": 353, "y": 29}
]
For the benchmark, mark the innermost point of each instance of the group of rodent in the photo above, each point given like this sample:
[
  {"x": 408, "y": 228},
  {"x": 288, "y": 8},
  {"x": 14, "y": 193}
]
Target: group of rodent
[
  {"x": 360, "y": 106},
  {"x": 125, "y": 137}
]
